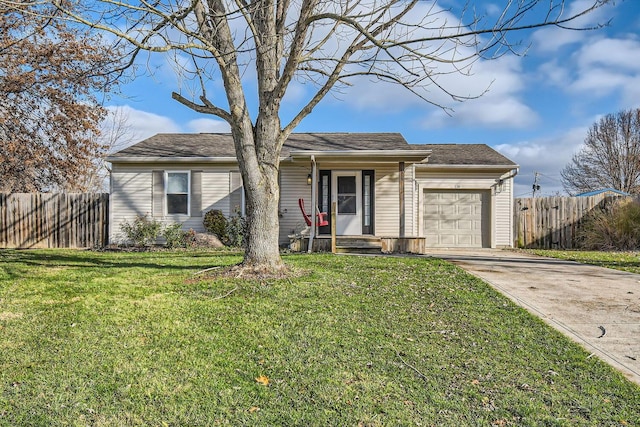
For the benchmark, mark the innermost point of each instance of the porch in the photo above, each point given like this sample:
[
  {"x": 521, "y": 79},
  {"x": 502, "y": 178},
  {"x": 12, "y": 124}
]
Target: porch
[{"x": 359, "y": 244}]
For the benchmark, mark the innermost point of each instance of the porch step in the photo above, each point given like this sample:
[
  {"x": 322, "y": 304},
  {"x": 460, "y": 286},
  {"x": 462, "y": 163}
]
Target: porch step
[{"x": 359, "y": 245}]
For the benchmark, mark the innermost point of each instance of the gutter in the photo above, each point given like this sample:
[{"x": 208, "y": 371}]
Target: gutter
[
  {"x": 485, "y": 167},
  {"x": 116, "y": 159}
]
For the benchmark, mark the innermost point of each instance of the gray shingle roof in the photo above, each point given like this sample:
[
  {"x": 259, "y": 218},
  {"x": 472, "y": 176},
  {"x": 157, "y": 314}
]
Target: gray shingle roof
[
  {"x": 221, "y": 145},
  {"x": 464, "y": 154}
]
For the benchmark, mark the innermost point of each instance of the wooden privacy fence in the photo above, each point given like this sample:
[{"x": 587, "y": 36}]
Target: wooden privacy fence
[
  {"x": 553, "y": 222},
  {"x": 54, "y": 220}
]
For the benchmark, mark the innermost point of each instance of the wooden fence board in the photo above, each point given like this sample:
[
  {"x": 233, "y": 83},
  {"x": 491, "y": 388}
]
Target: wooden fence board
[
  {"x": 552, "y": 222},
  {"x": 54, "y": 220}
]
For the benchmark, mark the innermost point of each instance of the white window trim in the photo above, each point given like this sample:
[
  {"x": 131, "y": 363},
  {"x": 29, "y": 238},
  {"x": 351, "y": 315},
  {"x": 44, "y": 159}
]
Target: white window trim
[{"x": 166, "y": 188}]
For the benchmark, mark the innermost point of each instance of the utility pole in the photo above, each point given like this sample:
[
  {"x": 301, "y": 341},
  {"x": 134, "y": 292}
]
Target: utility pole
[{"x": 536, "y": 186}]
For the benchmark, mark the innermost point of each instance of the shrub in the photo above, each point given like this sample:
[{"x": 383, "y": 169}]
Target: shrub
[
  {"x": 175, "y": 236},
  {"x": 614, "y": 227},
  {"x": 190, "y": 238},
  {"x": 215, "y": 222},
  {"x": 236, "y": 230},
  {"x": 143, "y": 231}
]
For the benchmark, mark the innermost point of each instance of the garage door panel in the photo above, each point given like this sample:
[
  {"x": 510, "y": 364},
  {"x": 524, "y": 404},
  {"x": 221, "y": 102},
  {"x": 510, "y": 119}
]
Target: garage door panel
[
  {"x": 465, "y": 240},
  {"x": 432, "y": 210},
  {"x": 466, "y": 225},
  {"x": 447, "y": 225},
  {"x": 465, "y": 209},
  {"x": 447, "y": 210},
  {"x": 455, "y": 218}
]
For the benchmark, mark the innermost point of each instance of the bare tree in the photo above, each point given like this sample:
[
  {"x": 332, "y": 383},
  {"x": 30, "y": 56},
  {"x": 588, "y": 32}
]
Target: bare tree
[
  {"x": 264, "y": 46},
  {"x": 610, "y": 157},
  {"x": 49, "y": 114},
  {"x": 116, "y": 133}
]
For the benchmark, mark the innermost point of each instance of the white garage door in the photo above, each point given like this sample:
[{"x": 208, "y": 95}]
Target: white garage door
[{"x": 456, "y": 219}]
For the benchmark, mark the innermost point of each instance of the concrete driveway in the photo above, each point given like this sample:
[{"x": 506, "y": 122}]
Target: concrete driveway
[{"x": 597, "y": 307}]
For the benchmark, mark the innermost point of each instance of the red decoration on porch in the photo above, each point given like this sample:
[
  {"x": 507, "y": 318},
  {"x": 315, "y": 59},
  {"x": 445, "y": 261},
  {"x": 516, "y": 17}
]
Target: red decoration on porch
[{"x": 322, "y": 216}]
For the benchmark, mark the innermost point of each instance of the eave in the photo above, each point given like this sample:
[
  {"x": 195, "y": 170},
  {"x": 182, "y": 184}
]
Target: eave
[
  {"x": 143, "y": 159},
  {"x": 467, "y": 167},
  {"x": 371, "y": 156}
]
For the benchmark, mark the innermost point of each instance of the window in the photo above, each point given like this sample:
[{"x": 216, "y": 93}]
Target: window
[
  {"x": 347, "y": 195},
  {"x": 324, "y": 191},
  {"x": 177, "y": 189}
]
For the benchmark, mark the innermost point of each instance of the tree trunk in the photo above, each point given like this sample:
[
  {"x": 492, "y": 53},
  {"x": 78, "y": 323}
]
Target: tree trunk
[
  {"x": 258, "y": 151},
  {"x": 262, "y": 252}
]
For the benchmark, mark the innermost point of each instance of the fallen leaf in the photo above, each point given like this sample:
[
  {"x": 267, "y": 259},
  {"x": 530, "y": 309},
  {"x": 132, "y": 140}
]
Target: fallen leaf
[
  {"x": 254, "y": 409},
  {"x": 263, "y": 379},
  {"x": 475, "y": 382}
]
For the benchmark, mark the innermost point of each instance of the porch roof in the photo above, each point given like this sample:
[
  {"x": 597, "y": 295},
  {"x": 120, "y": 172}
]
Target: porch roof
[{"x": 369, "y": 156}]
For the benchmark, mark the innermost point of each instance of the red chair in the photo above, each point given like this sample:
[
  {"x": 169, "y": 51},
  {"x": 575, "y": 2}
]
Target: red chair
[{"x": 321, "y": 216}]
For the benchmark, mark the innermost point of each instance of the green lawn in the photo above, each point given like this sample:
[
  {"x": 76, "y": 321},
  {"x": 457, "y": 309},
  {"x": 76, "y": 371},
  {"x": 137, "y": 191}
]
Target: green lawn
[
  {"x": 626, "y": 261},
  {"x": 104, "y": 339}
]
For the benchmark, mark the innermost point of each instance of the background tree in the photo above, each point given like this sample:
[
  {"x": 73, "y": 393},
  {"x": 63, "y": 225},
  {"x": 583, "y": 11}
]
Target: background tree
[
  {"x": 115, "y": 133},
  {"x": 262, "y": 47},
  {"x": 50, "y": 77},
  {"x": 610, "y": 157}
]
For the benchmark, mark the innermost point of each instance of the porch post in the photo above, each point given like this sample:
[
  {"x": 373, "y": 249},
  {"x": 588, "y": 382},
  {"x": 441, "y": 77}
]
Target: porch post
[
  {"x": 401, "y": 191},
  {"x": 314, "y": 198}
]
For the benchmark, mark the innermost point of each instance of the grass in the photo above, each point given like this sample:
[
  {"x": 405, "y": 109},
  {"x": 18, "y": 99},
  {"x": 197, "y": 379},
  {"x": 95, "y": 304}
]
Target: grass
[
  {"x": 103, "y": 339},
  {"x": 625, "y": 261}
]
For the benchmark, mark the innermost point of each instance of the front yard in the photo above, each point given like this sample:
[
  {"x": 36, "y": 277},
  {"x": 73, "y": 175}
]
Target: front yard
[
  {"x": 93, "y": 338},
  {"x": 625, "y": 261}
]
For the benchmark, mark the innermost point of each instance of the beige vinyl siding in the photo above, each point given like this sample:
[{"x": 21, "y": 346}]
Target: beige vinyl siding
[
  {"x": 504, "y": 215},
  {"x": 387, "y": 201},
  {"x": 410, "y": 202},
  {"x": 132, "y": 194},
  {"x": 293, "y": 186},
  {"x": 215, "y": 189}
]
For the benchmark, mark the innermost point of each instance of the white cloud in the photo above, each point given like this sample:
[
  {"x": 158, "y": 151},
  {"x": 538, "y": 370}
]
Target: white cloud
[
  {"x": 599, "y": 82},
  {"x": 554, "y": 73},
  {"x": 621, "y": 54},
  {"x": 491, "y": 112},
  {"x": 142, "y": 124},
  {"x": 205, "y": 125},
  {"x": 599, "y": 68},
  {"x": 551, "y": 39},
  {"x": 608, "y": 65},
  {"x": 547, "y": 156},
  {"x": 501, "y": 106},
  {"x": 493, "y": 9}
]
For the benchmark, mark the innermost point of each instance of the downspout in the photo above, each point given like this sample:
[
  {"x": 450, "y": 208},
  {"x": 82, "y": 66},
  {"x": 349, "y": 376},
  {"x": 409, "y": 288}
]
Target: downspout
[
  {"x": 401, "y": 209},
  {"x": 312, "y": 234}
]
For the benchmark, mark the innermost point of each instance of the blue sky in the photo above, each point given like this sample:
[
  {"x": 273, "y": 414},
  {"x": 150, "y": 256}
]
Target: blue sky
[{"x": 537, "y": 110}]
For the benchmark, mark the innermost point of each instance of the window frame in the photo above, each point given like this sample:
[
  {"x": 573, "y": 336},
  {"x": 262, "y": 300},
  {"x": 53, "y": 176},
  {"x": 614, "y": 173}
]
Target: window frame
[{"x": 166, "y": 192}]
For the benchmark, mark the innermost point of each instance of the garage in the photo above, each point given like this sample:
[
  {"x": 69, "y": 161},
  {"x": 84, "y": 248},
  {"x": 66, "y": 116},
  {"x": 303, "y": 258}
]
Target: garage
[{"x": 456, "y": 218}]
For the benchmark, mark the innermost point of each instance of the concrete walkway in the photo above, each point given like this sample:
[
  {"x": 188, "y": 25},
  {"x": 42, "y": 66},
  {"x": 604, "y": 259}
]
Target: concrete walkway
[{"x": 597, "y": 307}]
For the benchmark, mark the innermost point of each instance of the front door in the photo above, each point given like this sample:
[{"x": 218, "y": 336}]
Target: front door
[{"x": 348, "y": 195}]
